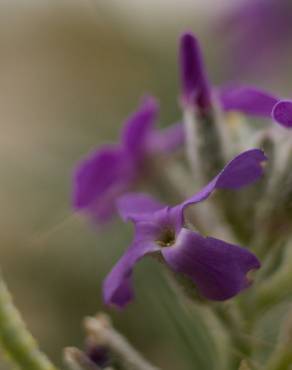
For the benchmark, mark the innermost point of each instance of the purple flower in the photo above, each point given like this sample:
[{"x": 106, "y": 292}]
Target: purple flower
[
  {"x": 217, "y": 268},
  {"x": 197, "y": 91},
  {"x": 282, "y": 113},
  {"x": 115, "y": 169},
  {"x": 260, "y": 32}
]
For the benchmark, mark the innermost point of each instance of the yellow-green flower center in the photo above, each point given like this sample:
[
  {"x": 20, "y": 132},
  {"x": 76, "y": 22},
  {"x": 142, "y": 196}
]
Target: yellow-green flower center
[{"x": 167, "y": 238}]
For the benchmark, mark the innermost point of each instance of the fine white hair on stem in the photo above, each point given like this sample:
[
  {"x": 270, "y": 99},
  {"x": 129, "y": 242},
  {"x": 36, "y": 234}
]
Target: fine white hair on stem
[{"x": 192, "y": 144}]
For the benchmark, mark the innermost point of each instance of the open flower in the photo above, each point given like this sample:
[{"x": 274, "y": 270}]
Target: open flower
[
  {"x": 114, "y": 169},
  {"x": 197, "y": 91},
  {"x": 216, "y": 267}
]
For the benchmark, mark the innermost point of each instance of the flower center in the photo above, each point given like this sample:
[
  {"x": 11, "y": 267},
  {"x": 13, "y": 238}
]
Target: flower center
[{"x": 167, "y": 238}]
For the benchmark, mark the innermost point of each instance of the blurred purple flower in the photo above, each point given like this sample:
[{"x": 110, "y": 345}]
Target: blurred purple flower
[
  {"x": 282, "y": 113},
  {"x": 217, "y": 268},
  {"x": 114, "y": 169},
  {"x": 99, "y": 355},
  {"x": 197, "y": 91},
  {"x": 260, "y": 32}
]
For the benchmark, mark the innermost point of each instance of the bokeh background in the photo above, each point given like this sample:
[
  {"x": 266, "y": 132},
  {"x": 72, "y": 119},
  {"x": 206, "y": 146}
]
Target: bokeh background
[{"x": 70, "y": 73}]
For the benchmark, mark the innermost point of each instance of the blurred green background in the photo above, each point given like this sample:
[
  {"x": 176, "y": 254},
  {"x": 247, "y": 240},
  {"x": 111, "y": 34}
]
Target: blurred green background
[{"x": 71, "y": 72}]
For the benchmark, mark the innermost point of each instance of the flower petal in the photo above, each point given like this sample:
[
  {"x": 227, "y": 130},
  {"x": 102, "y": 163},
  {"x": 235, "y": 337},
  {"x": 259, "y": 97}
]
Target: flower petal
[
  {"x": 139, "y": 126},
  {"x": 282, "y": 113},
  {"x": 195, "y": 85},
  {"x": 217, "y": 268},
  {"x": 167, "y": 140},
  {"x": 241, "y": 171},
  {"x": 118, "y": 286},
  {"x": 135, "y": 206},
  {"x": 100, "y": 179},
  {"x": 246, "y": 99}
]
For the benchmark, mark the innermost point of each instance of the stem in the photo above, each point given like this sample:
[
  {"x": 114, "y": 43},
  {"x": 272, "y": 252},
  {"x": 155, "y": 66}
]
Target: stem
[
  {"x": 77, "y": 360},
  {"x": 278, "y": 286},
  {"x": 233, "y": 322},
  {"x": 206, "y": 143},
  {"x": 16, "y": 339},
  {"x": 101, "y": 331},
  {"x": 281, "y": 359},
  {"x": 192, "y": 143}
]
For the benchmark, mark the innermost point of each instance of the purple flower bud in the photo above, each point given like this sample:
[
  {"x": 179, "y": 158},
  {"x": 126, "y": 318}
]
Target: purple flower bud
[
  {"x": 195, "y": 85},
  {"x": 197, "y": 91}
]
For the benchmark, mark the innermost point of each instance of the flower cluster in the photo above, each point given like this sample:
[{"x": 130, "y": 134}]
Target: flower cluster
[{"x": 105, "y": 182}]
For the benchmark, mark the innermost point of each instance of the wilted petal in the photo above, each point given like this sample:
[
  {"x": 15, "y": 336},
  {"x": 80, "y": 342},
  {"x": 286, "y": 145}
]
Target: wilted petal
[
  {"x": 282, "y": 113},
  {"x": 118, "y": 285},
  {"x": 168, "y": 139},
  {"x": 135, "y": 206},
  {"x": 195, "y": 85},
  {"x": 217, "y": 268},
  {"x": 246, "y": 99},
  {"x": 139, "y": 127},
  {"x": 100, "y": 179},
  {"x": 244, "y": 169}
]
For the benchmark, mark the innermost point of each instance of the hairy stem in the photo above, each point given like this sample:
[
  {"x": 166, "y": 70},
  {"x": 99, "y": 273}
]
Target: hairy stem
[
  {"x": 192, "y": 144},
  {"x": 15, "y": 339}
]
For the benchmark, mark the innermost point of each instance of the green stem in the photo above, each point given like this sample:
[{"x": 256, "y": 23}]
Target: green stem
[
  {"x": 277, "y": 287},
  {"x": 281, "y": 359},
  {"x": 15, "y": 339},
  {"x": 233, "y": 322}
]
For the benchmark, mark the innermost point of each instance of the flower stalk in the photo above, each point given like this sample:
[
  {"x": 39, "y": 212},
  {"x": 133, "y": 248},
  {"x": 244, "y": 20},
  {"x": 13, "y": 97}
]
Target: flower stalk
[
  {"x": 100, "y": 330},
  {"x": 281, "y": 358},
  {"x": 15, "y": 339},
  {"x": 278, "y": 286},
  {"x": 77, "y": 360},
  {"x": 192, "y": 154},
  {"x": 204, "y": 143}
]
